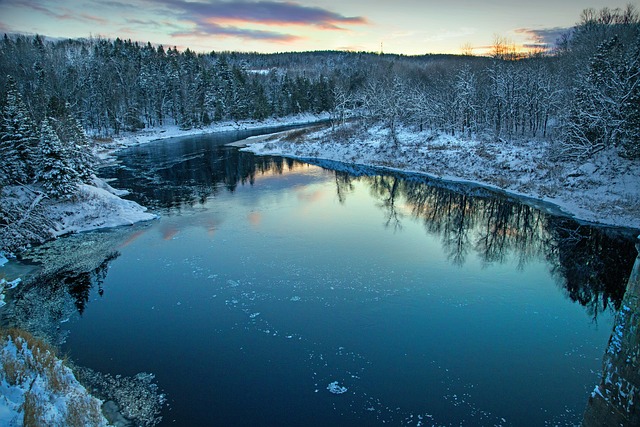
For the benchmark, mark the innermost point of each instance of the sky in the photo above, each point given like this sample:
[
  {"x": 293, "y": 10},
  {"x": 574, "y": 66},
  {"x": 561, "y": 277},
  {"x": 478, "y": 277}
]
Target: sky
[{"x": 411, "y": 27}]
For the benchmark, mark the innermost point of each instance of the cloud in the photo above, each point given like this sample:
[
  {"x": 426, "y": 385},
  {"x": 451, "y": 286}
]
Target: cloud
[
  {"x": 262, "y": 12},
  {"x": 94, "y": 19},
  {"x": 244, "y": 19},
  {"x": 151, "y": 23},
  {"x": 212, "y": 29},
  {"x": 117, "y": 5},
  {"x": 61, "y": 13},
  {"x": 545, "y": 37},
  {"x": 229, "y": 18}
]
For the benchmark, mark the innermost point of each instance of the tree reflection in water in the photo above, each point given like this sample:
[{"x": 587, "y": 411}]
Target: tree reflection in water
[
  {"x": 592, "y": 264},
  {"x": 70, "y": 268}
]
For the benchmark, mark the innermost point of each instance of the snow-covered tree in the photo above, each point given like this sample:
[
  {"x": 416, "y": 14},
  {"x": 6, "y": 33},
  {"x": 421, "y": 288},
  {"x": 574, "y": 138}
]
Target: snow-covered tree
[
  {"x": 56, "y": 173},
  {"x": 83, "y": 160},
  {"x": 605, "y": 109},
  {"x": 18, "y": 139},
  {"x": 465, "y": 103},
  {"x": 386, "y": 100},
  {"x": 75, "y": 144}
]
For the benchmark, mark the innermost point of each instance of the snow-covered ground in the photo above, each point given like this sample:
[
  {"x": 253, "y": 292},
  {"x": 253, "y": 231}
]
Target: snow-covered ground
[
  {"x": 96, "y": 206},
  {"x": 36, "y": 388},
  {"x": 604, "y": 189}
]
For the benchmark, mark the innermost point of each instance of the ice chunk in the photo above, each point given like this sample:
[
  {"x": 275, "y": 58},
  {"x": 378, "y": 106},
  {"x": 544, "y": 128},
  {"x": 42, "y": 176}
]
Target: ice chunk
[{"x": 336, "y": 388}]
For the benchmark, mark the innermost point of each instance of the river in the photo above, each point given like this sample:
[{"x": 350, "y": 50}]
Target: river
[{"x": 277, "y": 292}]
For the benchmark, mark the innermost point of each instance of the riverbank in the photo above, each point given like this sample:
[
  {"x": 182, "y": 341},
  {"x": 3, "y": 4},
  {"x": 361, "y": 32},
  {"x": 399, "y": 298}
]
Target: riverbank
[
  {"x": 106, "y": 148},
  {"x": 37, "y": 388},
  {"x": 35, "y": 218},
  {"x": 604, "y": 189}
]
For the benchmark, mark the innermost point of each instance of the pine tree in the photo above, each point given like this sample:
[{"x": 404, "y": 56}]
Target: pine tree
[
  {"x": 18, "y": 139},
  {"x": 605, "y": 110},
  {"x": 85, "y": 161},
  {"x": 56, "y": 174},
  {"x": 75, "y": 145}
]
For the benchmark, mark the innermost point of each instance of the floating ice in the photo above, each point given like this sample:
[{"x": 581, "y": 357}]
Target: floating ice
[
  {"x": 13, "y": 284},
  {"x": 336, "y": 388}
]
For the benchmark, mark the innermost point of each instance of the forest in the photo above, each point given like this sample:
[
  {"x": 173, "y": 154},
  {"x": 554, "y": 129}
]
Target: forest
[{"x": 58, "y": 97}]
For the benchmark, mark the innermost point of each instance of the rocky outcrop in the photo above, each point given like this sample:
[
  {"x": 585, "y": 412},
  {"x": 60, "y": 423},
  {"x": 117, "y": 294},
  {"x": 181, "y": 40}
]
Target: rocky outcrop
[{"x": 616, "y": 400}]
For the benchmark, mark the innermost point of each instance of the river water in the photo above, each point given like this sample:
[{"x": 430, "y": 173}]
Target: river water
[{"x": 277, "y": 292}]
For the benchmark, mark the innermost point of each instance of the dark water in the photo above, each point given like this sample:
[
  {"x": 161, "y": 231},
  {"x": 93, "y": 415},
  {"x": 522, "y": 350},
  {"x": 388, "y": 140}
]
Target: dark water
[{"x": 266, "y": 281}]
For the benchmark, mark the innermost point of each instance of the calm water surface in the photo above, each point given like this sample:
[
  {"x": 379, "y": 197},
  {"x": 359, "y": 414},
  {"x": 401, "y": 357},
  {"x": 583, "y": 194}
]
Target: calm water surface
[{"x": 275, "y": 292}]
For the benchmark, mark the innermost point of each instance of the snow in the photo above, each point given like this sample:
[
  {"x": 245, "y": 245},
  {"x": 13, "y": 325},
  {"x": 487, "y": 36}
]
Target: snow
[
  {"x": 3, "y": 259},
  {"x": 7, "y": 285},
  {"x": 605, "y": 189},
  {"x": 50, "y": 387},
  {"x": 174, "y": 131},
  {"x": 95, "y": 208}
]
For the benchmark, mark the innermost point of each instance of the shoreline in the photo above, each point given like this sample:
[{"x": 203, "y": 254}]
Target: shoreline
[
  {"x": 571, "y": 192},
  {"x": 133, "y": 139}
]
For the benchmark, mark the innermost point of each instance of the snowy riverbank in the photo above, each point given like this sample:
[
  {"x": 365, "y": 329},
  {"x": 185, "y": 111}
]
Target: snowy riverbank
[
  {"x": 37, "y": 388},
  {"x": 106, "y": 148},
  {"x": 94, "y": 207},
  {"x": 604, "y": 189},
  {"x": 40, "y": 218}
]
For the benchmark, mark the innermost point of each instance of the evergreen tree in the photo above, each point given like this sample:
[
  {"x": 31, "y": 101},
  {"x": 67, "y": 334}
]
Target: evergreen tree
[
  {"x": 75, "y": 144},
  {"x": 18, "y": 139},
  {"x": 56, "y": 173},
  {"x": 83, "y": 160},
  {"x": 605, "y": 109}
]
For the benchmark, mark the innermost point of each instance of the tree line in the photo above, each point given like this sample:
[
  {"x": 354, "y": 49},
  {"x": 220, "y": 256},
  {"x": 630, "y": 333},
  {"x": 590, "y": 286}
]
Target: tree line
[{"x": 585, "y": 94}]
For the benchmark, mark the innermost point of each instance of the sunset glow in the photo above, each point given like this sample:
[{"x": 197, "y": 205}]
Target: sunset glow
[{"x": 404, "y": 26}]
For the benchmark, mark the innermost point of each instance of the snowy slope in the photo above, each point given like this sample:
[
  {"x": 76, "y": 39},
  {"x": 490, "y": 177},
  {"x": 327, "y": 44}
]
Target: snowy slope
[
  {"x": 95, "y": 208},
  {"x": 36, "y": 388}
]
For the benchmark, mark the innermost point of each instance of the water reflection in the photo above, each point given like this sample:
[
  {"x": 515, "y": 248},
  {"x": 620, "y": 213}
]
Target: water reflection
[
  {"x": 165, "y": 177},
  {"x": 268, "y": 283},
  {"x": 70, "y": 268},
  {"x": 591, "y": 263}
]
